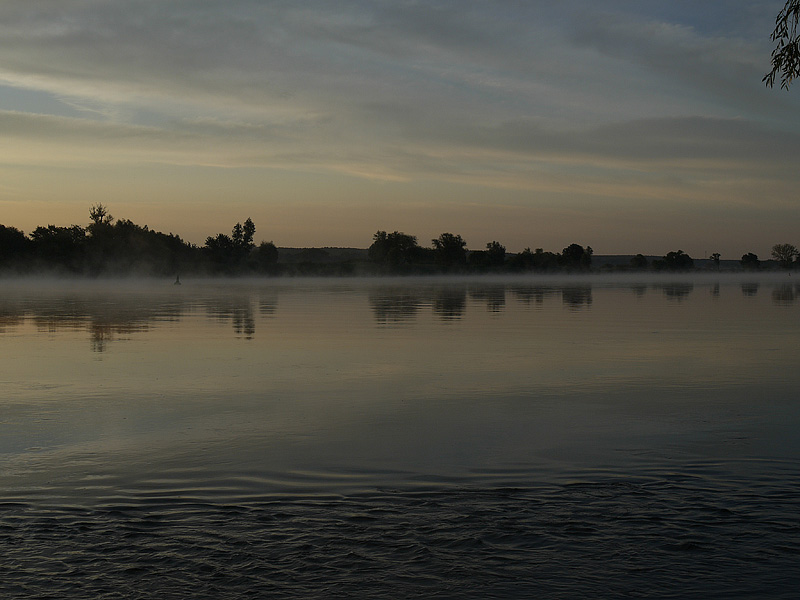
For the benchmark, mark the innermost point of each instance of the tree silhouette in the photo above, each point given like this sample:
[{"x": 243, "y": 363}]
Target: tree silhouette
[
  {"x": 265, "y": 257},
  {"x": 394, "y": 250},
  {"x": 678, "y": 261},
  {"x": 575, "y": 256},
  {"x": 248, "y": 231},
  {"x": 237, "y": 235},
  {"x": 786, "y": 55},
  {"x": 537, "y": 260},
  {"x": 639, "y": 262},
  {"x": 496, "y": 253},
  {"x": 784, "y": 254},
  {"x": 491, "y": 259},
  {"x": 99, "y": 215},
  {"x": 14, "y": 246},
  {"x": 230, "y": 253},
  {"x": 60, "y": 246},
  {"x": 451, "y": 251},
  {"x": 750, "y": 261}
]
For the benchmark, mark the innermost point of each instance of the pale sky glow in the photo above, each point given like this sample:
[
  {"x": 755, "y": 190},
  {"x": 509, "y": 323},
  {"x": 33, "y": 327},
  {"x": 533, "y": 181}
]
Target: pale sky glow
[{"x": 630, "y": 126}]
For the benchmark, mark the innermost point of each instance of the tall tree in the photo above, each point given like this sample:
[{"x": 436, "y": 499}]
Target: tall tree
[
  {"x": 248, "y": 231},
  {"x": 99, "y": 215}
]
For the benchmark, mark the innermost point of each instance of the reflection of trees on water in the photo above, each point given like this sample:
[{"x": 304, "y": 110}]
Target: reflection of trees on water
[
  {"x": 749, "y": 289},
  {"x": 10, "y": 321},
  {"x": 528, "y": 294},
  {"x": 106, "y": 319},
  {"x": 493, "y": 295},
  {"x": 786, "y": 294},
  {"x": 394, "y": 305},
  {"x": 12, "y": 314},
  {"x": 577, "y": 297},
  {"x": 677, "y": 291},
  {"x": 236, "y": 309},
  {"x": 103, "y": 333},
  {"x": 109, "y": 316},
  {"x": 267, "y": 306},
  {"x": 449, "y": 303},
  {"x": 240, "y": 310},
  {"x": 398, "y": 304}
]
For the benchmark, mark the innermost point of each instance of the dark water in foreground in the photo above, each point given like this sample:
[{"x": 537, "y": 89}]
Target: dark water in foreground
[
  {"x": 675, "y": 536},
  {"x": 517, "y": 438}
]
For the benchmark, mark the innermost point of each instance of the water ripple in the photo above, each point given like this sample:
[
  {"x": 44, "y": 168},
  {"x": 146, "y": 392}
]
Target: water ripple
[{"x": 669, "y": 538}]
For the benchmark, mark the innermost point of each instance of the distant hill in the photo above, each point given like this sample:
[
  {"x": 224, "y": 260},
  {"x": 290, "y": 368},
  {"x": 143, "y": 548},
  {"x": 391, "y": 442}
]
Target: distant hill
[
  {"x": 321, "y": 255},
  {"x": 330, "y": 255}
]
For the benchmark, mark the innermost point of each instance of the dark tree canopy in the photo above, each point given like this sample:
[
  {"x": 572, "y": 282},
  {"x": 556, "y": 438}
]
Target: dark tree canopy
[
  {"x": 678, "y": 261},
  {"x": 230, "y": 253},
  {"x": 576, "y": 256},
  {"x": 12, "y": 240},
  {"x": 786, "y": 55},
  {"x": 99, "y": 215},
  {"x": 393, "y": 250},
  {"x": 242, "y": 236},
  {"x": 265, "y": 256},
  {"x": 496, "y": 253},
  {"x": 537, "y": 260},
  {"x": 639, "y": 262},
  {"x": 59, "y": 245},
  {"x": 491, "y": 259},
  {"x": 785, "y": 254},
  {"x": 451, "y": 251},
  {"x": 750, "y": 261}
]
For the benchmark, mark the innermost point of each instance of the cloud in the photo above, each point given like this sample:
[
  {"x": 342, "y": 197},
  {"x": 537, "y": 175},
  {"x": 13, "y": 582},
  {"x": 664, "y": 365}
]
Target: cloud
[
  {"x": 658, "y": 158},
  {"x": 504, "y": 93},
  {"x": 723, "y": 70}
]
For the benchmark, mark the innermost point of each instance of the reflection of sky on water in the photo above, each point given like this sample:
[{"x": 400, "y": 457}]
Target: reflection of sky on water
[
  {"x": 241, "y": 420},
  {"x": 411, "y": 375}
]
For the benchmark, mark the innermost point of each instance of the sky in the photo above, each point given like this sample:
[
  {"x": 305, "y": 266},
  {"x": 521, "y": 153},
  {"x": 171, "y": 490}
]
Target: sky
[{"x": 629, "y": 126}]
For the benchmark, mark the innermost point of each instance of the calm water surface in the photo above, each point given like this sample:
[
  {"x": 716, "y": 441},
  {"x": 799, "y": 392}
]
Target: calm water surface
[{"x": 401, "y": 438}]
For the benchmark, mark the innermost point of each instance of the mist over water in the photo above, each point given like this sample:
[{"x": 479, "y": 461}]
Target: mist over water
[{"x": 451, "y": 437}]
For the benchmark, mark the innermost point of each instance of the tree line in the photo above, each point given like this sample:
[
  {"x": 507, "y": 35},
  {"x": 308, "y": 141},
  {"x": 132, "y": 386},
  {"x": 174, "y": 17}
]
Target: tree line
[
  {"x": 109, "y": 247},
  {"x": 398, "y": 252},
  {"x": 106, "y": 247}
]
